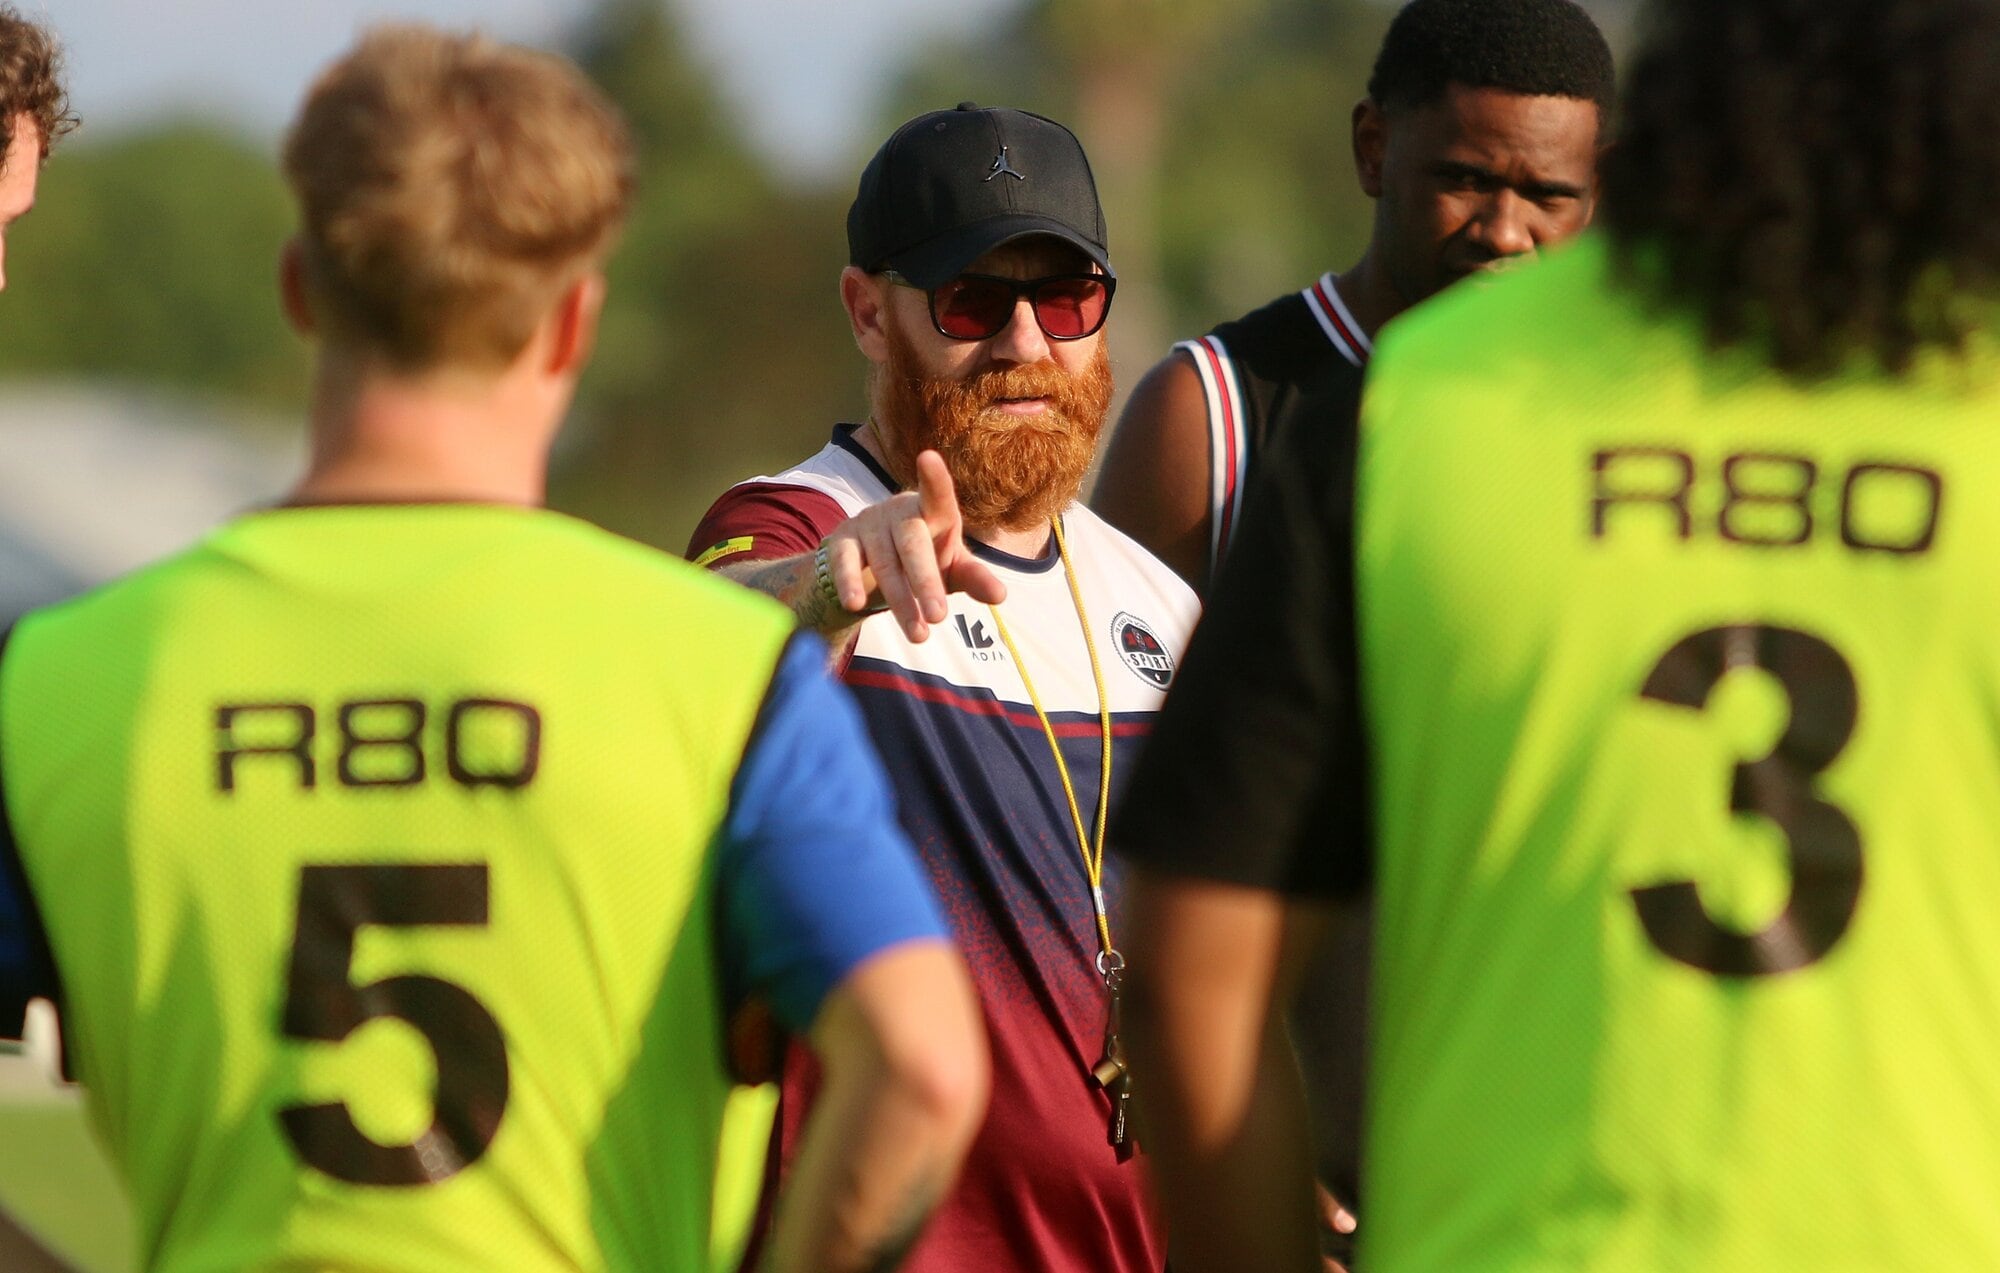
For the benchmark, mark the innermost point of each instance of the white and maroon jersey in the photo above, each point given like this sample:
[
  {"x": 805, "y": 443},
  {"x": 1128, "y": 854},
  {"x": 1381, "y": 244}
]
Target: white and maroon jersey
[
  {"x": 1252, "y": 369},
  {"x": 981, "y": 798}
]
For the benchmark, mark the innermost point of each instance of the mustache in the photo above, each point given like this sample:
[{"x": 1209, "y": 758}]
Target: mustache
[
  {"x": 1011, "y": 470},
  {"x": 997, "y": 384}
]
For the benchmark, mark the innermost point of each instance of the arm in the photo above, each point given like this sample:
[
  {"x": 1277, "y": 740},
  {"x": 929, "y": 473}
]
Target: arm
[
  {"x": 1199, "y": 1078},
  {"x": 904, "y": 1058},
  {"x": 1154, "y": 484},
  {"x": 794, "y": 582},
  {"x": 904, "y": 554},
  {"x": 1252, "y": 790},
  {"x": 1223, "y": 1112},
  {"x": 826, "y": 916}
]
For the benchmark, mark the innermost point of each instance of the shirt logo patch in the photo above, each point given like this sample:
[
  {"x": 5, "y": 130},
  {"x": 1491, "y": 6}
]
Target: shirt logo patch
[
  {"x": 1142, "y": 651},
  {"x": 973, "y": 634},
  {"x": 979, "y": 644}
]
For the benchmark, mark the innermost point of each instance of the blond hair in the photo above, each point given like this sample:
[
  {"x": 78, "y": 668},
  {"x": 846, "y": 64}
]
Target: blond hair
[{"x": 451, "y": 188}]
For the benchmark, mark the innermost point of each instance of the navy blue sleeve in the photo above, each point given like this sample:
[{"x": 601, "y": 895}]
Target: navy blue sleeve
[
  {"x": 814, "y": 874},
  {"x": 26, "y": 969},
  {"x": 23, "y": 961}
]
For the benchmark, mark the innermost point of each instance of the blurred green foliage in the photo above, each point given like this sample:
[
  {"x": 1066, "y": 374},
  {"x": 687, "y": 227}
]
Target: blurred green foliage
[
  {"x": 1217, "y": 128},
  {"x": 723, "y": 351},
  {"x": 153, "y": 258}
]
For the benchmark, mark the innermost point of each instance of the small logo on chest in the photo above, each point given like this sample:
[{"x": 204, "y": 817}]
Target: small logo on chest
[
  {"x": 975, "y": 637},
  {"x": 1142, "y": 651}
]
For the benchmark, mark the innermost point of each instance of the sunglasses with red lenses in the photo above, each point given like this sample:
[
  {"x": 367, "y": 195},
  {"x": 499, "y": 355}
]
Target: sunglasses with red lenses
[{"x": 979, "y": 306}]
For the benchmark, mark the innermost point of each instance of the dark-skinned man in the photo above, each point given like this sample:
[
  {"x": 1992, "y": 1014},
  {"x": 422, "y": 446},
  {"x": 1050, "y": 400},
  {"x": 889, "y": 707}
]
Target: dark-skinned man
[{"x": 1478, "y": 142}]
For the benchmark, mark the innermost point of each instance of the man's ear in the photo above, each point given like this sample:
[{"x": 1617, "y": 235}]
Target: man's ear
[
  {"x": 865, "y": 297},
  {"x": 292, "y": 288},
  {"x": 575, "y": 325},
  {"x": 1371, "y": 145}
]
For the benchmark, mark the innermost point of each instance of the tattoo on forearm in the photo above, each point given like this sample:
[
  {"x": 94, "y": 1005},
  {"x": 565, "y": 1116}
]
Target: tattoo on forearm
[{"x": 793, "y": 582}]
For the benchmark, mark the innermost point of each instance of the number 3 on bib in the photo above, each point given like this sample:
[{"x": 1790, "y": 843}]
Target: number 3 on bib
[{"x": 1822, "y": 846}]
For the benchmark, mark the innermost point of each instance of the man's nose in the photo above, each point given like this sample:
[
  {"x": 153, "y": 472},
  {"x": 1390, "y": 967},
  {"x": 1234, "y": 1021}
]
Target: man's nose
[
  {"x": 1021, "y": 340},
  {"x": 1505, "y": 225}
]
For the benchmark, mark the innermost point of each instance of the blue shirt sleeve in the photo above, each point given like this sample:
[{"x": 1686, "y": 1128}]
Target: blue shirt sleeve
[
  {"x": 814, "y": 874},
  {"x": 23, "y": 966}
]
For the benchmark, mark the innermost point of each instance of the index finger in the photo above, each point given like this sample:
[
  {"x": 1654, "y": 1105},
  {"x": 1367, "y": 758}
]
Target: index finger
[{"x": 936, "y": 494}]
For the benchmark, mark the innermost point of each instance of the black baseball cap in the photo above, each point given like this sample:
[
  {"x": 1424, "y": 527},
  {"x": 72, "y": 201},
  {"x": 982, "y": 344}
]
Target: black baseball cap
[{"x": 949, "y": 186}]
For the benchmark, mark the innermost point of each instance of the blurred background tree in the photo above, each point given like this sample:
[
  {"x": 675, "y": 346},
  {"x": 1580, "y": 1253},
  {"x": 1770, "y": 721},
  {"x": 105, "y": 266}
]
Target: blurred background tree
[
  {"x": 1218, "y": 130},
  {"x": 723, "y": 349},
  {"x": 152, "y": 258}
]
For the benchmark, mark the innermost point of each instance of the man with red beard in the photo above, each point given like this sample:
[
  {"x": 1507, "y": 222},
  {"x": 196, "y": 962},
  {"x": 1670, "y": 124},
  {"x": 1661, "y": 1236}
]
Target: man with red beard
[{"x": 1008, "y": 648}]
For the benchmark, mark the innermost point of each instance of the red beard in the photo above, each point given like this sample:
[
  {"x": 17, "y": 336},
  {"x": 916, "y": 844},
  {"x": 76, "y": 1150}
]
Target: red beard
[{"x": 1011, "y": 472}]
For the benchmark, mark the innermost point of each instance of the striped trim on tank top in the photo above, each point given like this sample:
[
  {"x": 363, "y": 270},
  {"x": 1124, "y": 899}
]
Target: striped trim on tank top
[{"x": 1229, "y": 422}]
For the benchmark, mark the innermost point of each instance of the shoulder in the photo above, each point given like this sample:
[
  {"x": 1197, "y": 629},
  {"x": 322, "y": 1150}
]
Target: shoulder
[
  {"x": 791, "y": 511},
  {"x": 1108, "y": 551},
  {"x": 1324, "y": 415},
  {"x": 655, "y": 588},
  {"x": 1170, "y": 389},
  {"x": 761, "y": 520},
  {"x": 545, "y": 558},
  {"x": 1164, "y": 426},
  {"x": 121, "y": 605},
  {"x": 1281, "y": 341},
  {"x": 842, "y": 471},
  {"x": 1278, "y": 341},
  {"x": 1561, "y": 309}
]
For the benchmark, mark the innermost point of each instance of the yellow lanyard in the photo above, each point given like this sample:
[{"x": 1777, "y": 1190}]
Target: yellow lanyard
[{"x": 1109, "y": 961}]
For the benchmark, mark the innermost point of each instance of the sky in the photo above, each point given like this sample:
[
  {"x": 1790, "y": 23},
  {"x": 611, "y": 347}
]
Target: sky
[{"x": 802, "y": 73}]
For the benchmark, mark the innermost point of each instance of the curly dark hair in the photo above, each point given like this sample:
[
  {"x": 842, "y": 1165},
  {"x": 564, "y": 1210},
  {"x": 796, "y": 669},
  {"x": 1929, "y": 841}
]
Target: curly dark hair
[
  {"x": 1817, "y": 174},
  {"x": 31, "y": 81},
  {"x": 1541, "y": 48}
]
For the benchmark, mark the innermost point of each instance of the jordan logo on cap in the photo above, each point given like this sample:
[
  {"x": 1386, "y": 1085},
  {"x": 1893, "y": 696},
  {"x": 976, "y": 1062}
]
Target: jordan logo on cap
[{"x": 1001, "y": 164}]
